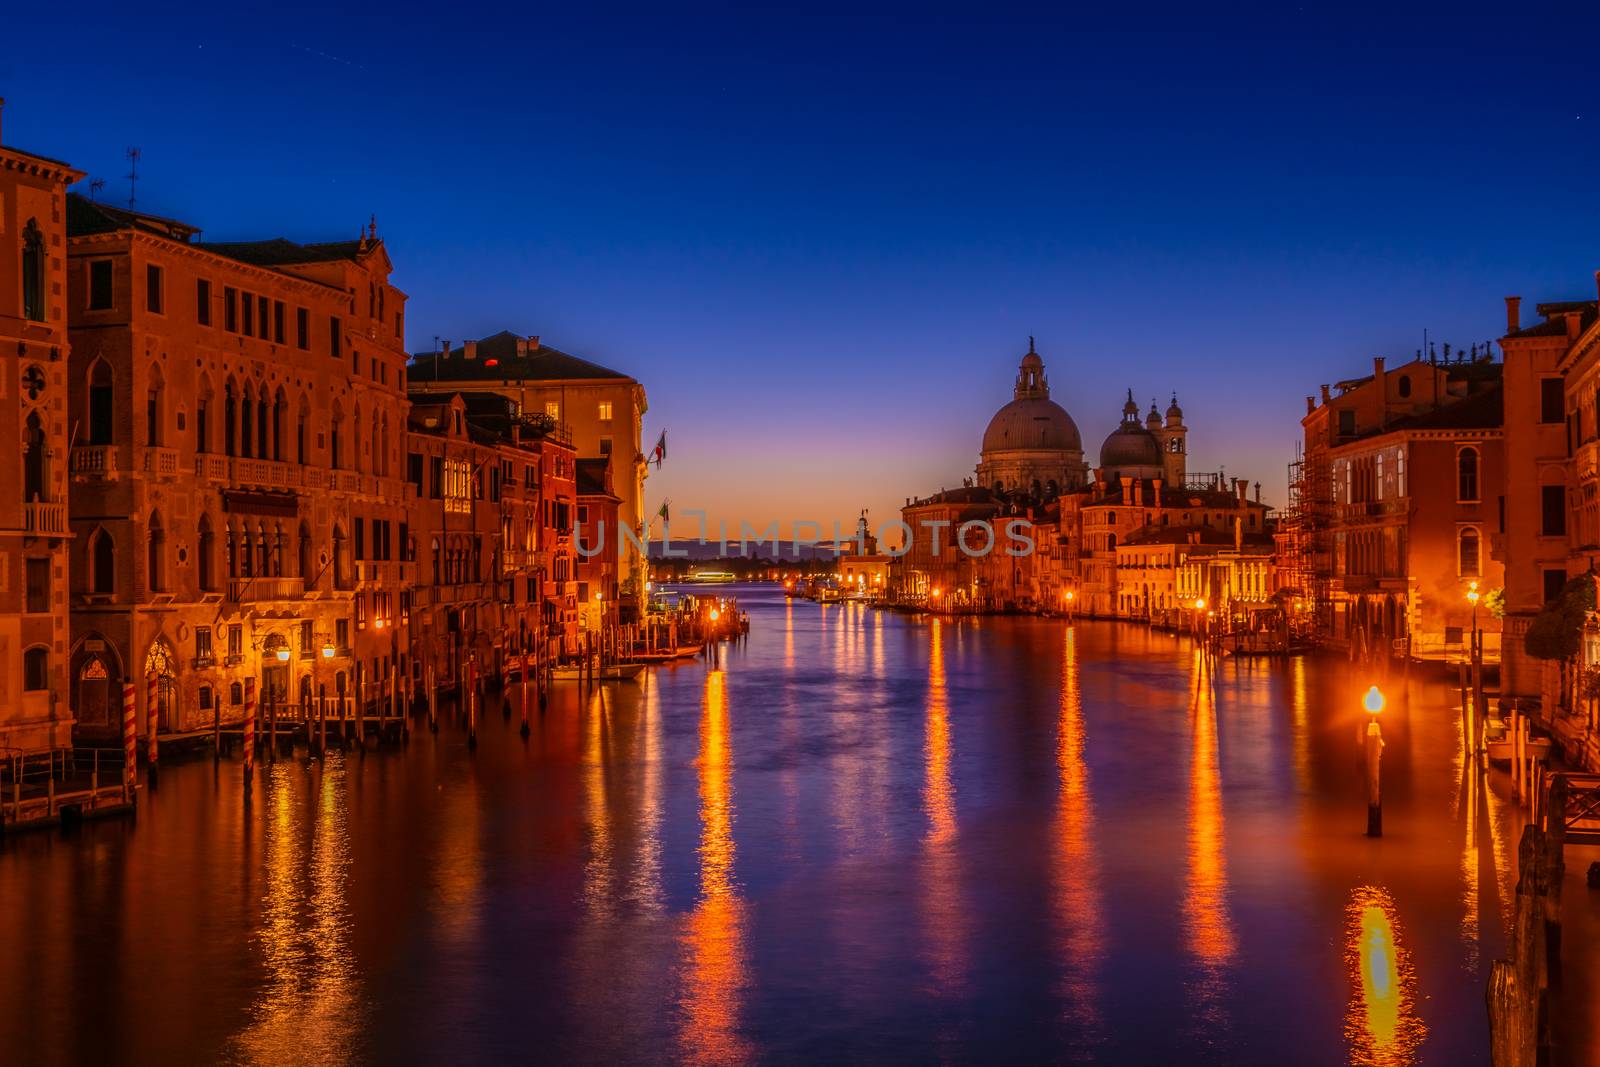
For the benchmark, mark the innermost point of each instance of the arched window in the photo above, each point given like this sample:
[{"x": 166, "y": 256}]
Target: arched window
[
  {"x": 231, "y": 547},
  {"x": 304, "y": 555},
  {"x": 207, "y": 561},
  {"x": 153, "y": 409},
  {"x": 202, "y": 419},
  {"x": 436, "y": 571},
  {"x": 155, "y": 564},
  {"x": 35, "y": 461},
  {"x": 230, "y": 419},
  {"x": 247, "y": 425},
  {"x": 340, "y": 567},
  {"x": 101, "y": 403},
  {"x": 36, "y": 669},
  {"x": 103, "y": 562},
  {"x": 33, "y": 263},
  {"x": 1468, "y": 550},
  {"x": 278, "y": 404},
  {"x": 1467, "y": 475},
  {"x": 334, "y": 458},
  {"x": 261, "y": 425},
  {"x": 300, "y": 431}
]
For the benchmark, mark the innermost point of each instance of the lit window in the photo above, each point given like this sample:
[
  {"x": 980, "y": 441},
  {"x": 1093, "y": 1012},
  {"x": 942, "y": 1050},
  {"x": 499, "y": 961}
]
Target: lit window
[
  {"x": 605, "y": 411},
  {"x": 552, "y": 409}
]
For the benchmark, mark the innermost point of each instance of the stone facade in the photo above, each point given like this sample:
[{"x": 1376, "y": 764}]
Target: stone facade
[
  {"x": 237, "y": 415},
  {"x": 35, "y": 714}
]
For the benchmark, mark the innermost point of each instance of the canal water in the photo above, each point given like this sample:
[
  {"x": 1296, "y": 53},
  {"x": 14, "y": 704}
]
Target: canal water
[{"x": 866, "y": 836}]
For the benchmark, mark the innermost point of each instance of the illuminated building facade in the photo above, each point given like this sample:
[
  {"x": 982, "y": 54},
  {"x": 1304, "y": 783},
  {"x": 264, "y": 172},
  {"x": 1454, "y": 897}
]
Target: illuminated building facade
[
  {"x": 601, "y": 409},
  {"x": 491, "y": 578},
  {"x": 35, "y": 714},
  {"x": 238, "y": 505}
]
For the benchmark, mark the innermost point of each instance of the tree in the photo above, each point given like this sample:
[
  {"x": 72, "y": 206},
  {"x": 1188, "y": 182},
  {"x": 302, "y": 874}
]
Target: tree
[{"x": 1557, "y": 631}]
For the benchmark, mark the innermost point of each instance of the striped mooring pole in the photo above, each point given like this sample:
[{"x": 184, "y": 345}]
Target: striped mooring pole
[
  {"x": 130, "y": 740},
  {"x": 153, "y": 708},
  {"x": 249, "y": 732}
]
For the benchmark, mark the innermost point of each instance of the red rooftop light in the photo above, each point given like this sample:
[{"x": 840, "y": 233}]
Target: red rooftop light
[{"x": 491, "y": 363}]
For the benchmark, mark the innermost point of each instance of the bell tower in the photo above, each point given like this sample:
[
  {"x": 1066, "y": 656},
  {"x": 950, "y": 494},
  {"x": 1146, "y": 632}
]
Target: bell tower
[{"x": 1174, "y": 438}]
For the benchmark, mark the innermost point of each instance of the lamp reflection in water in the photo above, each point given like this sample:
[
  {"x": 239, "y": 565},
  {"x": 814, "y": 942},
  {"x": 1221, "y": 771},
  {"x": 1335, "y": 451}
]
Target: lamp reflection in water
[
  {"x": 943, "y": 911},
  {"x": 309, "y": 1008},
  {"x": 1079, "y": 920},
  {"x": 715, "y": 968},
  {"x": 1207, "y": 926},
  {"x": 598, "y": 887},
  {"x": 1381, "y": 1024}
]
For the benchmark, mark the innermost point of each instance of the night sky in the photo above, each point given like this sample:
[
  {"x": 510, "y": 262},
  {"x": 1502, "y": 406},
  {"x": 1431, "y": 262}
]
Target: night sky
[{"x": 822, "y": 241}]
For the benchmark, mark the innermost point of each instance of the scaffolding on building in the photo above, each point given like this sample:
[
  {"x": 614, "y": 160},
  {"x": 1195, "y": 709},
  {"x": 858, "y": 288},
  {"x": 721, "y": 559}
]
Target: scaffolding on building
[{"x": 1307, "y": 541}]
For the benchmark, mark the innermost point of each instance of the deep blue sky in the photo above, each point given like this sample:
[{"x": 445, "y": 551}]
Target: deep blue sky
[{"x": 823, "y": 240}]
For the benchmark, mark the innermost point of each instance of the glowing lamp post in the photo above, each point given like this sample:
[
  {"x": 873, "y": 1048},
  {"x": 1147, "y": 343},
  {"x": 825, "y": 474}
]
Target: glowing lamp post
[
  {"x": 1477, "y": 651},
  {"x": 1373, "y": 703}
]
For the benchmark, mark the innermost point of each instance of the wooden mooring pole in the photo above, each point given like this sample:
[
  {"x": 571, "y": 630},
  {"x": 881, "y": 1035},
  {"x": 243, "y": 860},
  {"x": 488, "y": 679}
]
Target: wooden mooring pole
[{"x": 1518, "y": 990}]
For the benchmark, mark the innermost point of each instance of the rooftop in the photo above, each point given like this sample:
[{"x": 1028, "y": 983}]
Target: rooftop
[{"x": 506, "y": 357}]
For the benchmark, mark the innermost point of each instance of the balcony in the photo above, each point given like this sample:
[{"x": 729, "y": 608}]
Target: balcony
[
  {"x": 212, "y": 467},
  {"x": 254, "y": 590},
  {"x": 162, "y": 462},
  {"x": 44, "y": 520},
  {"x": 95, "y": 461}
]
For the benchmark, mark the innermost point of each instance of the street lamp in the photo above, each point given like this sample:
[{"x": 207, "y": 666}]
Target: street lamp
[
  {"x": 327, "y": 650},
  {"x": 1373, "y": 703},
  {"x": 283, "y": 655}
]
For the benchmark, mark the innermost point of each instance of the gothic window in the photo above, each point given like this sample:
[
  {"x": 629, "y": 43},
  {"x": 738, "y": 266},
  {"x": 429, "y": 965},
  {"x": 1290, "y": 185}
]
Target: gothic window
[
  {"x": 304, "y": 554},
  {"x": 261, "y": 426},
  {"x": 35, "y": 462},
  {"x": 207, "y": 562},
  {"x": 230, "y": 418},
  {"x": 247, "y": 433},
  {"x": 33, "y": 264},
  {"x": 155, "y": 570},
  {"x": 278, "y": 404},
  {"x": 103, "y": 562},
  {"x": 101, "y": 403},
  {"x": 153, "y": 409}
]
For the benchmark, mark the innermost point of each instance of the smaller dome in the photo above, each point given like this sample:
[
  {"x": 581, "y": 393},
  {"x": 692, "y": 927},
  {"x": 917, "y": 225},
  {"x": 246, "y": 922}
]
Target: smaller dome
[
  {"x": 1130, "y": 445},
  {"x": 1153, "y": 419},
  {"x": 1130, "y": 410},
  {"x": 1173, "y": 410}
]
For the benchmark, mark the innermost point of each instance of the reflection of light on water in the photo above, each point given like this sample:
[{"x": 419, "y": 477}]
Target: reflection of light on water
[
  {"x": 309, "y": 1009},
  {"x": 1080, "y": 933},
  {"x": 1471, "y": 864},
  {"x": 1300, "y": 707},
  {"x": 715, "y": 976},
  {"x": 646, "y": 881},
  {"x": 1381, "y": 1024},
  {"x": 1207, "y": 925},
  {"x": 940, "y": 869},
  {"x": 597, "y": 872}
]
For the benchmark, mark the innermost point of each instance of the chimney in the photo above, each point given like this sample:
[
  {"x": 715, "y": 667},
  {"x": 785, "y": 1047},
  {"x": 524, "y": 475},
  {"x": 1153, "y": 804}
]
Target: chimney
[
  {"x": 1596, "y": 273},
  {"x": 1513, "y": 314},
  {"x": 1325, "y": 395},
  {"x": 1258, "y": 492},
  {"x": 533, "y": 342},
  {"x": 1574, "y": 324},
  {"x": 1238, "y": 533},
  {"x": 1244, "y": 491},
  {"x": 1311, "y": 404},
  {"x": 1138, "y": 492},
  {"x": 522, "y": 348},
  {"x": 469, "y": 350},
  {"x": 1377, "y": 367}
]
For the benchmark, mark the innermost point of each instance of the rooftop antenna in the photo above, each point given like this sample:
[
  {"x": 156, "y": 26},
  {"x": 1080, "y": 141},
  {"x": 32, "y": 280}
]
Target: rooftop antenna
[
  {"x": 133, "y": 174},
  {"x": 95, "y": 185}
]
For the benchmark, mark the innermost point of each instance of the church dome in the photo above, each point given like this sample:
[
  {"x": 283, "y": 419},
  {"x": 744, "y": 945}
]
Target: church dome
[
  {"x": 1032, "y": 423},
  {"x": 1130, "y": 445}
]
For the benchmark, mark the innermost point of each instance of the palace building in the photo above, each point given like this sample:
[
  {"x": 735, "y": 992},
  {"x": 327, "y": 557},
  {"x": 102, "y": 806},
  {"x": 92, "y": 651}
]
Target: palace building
[
  {"x": 238, "y": 505},
  {"x": 35, "y": 714}
]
